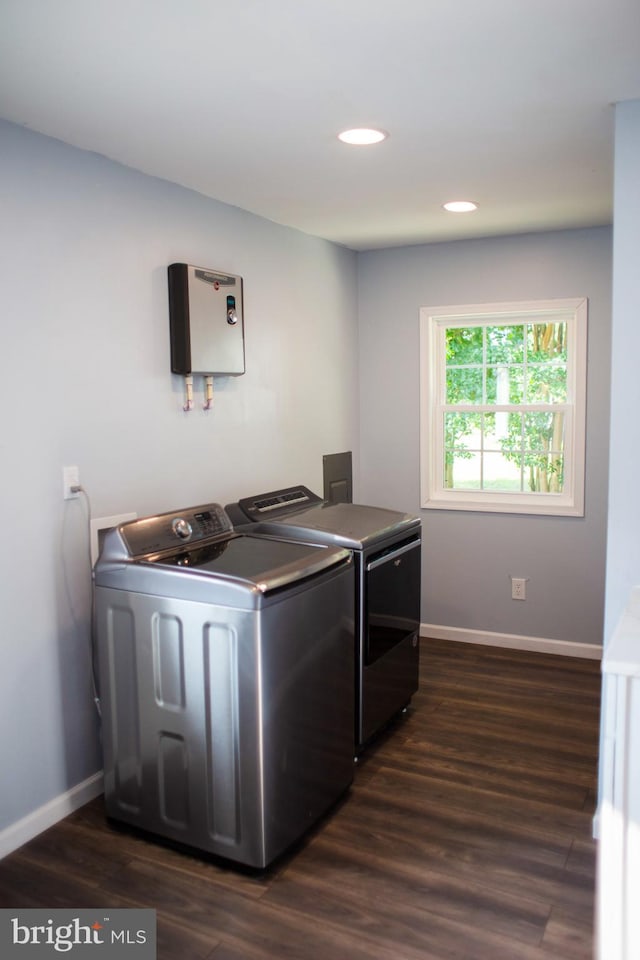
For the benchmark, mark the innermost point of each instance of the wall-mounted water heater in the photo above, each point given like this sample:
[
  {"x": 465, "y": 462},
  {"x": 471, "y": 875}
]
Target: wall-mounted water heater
[{"x": 206, "y": 321}]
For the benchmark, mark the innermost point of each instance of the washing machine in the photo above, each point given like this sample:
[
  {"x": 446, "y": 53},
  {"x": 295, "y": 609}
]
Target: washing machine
[{"x": 225, "y": 682}]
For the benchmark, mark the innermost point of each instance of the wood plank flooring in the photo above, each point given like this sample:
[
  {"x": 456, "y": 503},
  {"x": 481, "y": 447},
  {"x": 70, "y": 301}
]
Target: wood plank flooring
[{"x": 466, "y": 835}]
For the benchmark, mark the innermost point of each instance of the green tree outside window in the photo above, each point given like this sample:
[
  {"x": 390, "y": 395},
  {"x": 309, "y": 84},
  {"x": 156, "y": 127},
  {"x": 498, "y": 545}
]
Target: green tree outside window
[{"x": 501, "y": 431}]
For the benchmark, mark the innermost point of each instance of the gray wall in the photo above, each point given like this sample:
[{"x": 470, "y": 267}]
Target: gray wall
[
  {"x": 468, "y": 557},
  {"x": 85, "y": 380},
  {"x": 623, "y": 547}
]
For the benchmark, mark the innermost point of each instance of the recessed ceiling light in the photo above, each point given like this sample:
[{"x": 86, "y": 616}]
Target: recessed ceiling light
[
  {"x": 362, "y": 136},
  {"x": 460, "y": 206}
]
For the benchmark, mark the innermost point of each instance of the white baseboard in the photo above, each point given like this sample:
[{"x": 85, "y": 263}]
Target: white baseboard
[
  {"x": 44, "y": 817},
  {"x": 564, "y": 648}
]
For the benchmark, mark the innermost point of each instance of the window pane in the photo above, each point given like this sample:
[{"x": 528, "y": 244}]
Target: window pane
[
  {"x": 500, "y": 472},
  {"x": 462, "y": 430},
  {"x": 464, "y": 385},
  {"x": 544, "y": 473},
  {"x": 544, "y": 444},
  {"x": 491, "y": 385},
  {"x": 544, "y": 431},
  {"x": 505, "y": 344},
  {"x": 546, "y": 341},
  {"x": 505, "y": 384},
  {"x": 512, "y": 430},
  {"x": 464, "y": 345},
  {"x": 516, "y": 385},
  {"x": 511, "y": 440},
  {"x": 495, "y": 428},
  {"x": 546, "y": 383},
  {"x": 463, "y": 471}
]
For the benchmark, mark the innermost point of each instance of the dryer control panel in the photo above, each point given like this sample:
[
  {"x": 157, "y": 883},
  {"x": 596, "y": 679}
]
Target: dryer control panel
[{"x": 276, "y": 503}]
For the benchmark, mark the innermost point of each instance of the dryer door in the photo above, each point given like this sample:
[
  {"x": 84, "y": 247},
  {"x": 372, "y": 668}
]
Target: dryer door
[{"x": 392, "y": 598}]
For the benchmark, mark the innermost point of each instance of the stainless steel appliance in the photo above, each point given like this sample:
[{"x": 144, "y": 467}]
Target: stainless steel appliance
[
  {"x": 226, "y": 682},
  {"x": 205, "y": 320},
  {"x": 387, "y": 552}
]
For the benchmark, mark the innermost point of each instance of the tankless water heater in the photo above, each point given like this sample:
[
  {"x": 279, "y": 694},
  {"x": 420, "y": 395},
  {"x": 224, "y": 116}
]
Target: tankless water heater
[{"x": 206, "y": 321}]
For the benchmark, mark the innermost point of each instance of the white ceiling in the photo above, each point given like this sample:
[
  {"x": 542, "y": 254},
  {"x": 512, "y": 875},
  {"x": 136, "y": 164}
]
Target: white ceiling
[{"x": 506, "y": 102}]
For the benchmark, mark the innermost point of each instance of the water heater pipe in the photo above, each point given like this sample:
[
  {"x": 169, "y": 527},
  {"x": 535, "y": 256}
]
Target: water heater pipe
[
  {"x": 208, "y": 395},
  {"x": 188, "y": 386}
]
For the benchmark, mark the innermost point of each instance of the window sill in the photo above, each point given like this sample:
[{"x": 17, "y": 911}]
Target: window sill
[{"x": 545, "y": 505}]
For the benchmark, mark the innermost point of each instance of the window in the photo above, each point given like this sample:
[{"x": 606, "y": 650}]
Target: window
[{"x": 503, "y": 407}]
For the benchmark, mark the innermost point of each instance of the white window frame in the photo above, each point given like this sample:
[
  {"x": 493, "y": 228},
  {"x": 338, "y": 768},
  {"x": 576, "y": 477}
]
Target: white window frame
[{"x": 433, "y": 322}]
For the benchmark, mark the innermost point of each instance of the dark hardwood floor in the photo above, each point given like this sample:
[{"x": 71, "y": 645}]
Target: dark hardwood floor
[{"x": 466, "y": 835}]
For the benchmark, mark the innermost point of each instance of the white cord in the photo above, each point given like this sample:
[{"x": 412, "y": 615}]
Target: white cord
[{"x": 78, "y": 488}]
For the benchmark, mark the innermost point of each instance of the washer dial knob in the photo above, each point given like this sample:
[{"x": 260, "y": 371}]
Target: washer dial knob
[{"x": 182, "y": 528}]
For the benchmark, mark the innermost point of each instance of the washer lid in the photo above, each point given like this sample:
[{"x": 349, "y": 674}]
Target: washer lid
[
  {"x": 194, "y": 554},
  {"x": 262, "y": 563},
  {"x": 350, "y": 525}
]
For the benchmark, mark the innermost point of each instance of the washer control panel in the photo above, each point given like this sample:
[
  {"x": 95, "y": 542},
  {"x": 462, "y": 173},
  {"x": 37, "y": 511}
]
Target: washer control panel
[{"x": 167, "y": 530}]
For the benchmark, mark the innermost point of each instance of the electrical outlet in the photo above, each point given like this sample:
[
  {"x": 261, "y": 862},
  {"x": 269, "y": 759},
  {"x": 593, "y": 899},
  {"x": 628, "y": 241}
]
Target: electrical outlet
[
  {"x": 70, "y": 478},
  {"x": 518, "y": 588}
]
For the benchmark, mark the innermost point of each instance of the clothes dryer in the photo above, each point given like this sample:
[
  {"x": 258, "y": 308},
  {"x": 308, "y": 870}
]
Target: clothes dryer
[{"x": 387, "y": 555}]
